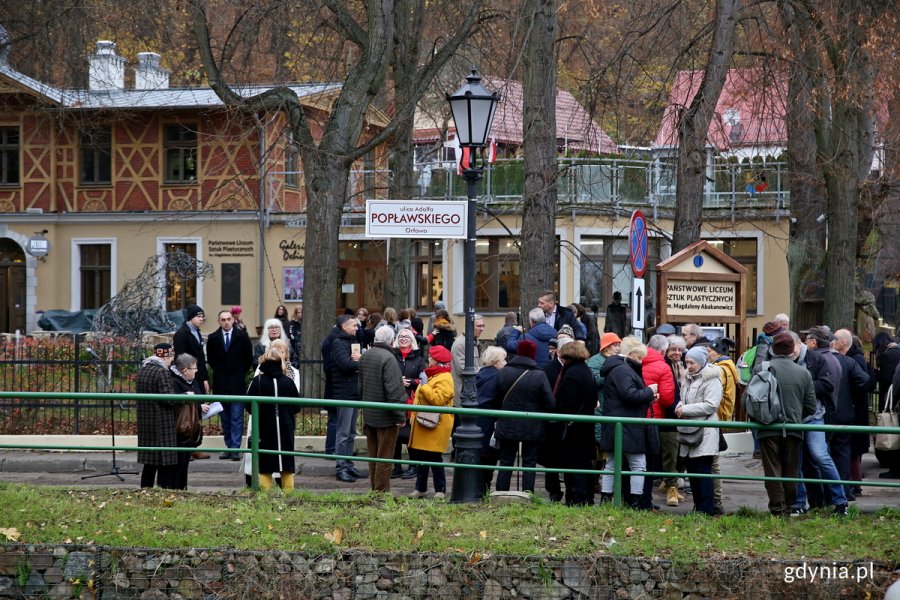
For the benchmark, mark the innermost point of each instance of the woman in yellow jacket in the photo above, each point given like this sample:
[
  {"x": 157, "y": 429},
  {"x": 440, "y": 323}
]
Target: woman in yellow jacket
[
  {"x": 718, "y": 350},
  {"x": 429, "y": 444}
]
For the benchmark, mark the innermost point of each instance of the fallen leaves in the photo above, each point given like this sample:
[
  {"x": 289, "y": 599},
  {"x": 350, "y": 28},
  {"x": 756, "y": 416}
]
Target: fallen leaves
[
  {"x": 12, "y": 534},
  {"x": 335, "y": 536}
]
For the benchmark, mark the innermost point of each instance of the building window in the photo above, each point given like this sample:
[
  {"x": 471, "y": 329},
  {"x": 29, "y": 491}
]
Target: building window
[
  {"x": 292, "y": 164},
  {"x": 95, "y": 271},
  {"x": 428, "y": 266},
  {"x": 9, "y": 155},
  {"x": 181, "y": 282},
  {"x": 96, "y": 155},
  {"x": 497, "y": 275},
  {"x": 180, "y": 142},
  {"x": 744, "y": 251},
  {"x": 605, "y": 268}
]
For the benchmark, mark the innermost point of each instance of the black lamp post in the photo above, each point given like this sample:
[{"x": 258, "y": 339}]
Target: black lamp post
[{"x": 473, "y": 109}]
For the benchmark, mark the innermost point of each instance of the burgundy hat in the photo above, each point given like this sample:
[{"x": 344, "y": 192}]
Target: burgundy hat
[
  {"x": 783, "y": 344},
  {"x": 526, "y": 348},
  {"x": 772, "y": 328},
  {"x": 440, "y": 354}
]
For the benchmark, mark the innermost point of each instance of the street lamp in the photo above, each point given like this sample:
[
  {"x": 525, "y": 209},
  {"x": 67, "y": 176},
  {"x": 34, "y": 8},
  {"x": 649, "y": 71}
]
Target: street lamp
[{"x": 473, "y": 109}]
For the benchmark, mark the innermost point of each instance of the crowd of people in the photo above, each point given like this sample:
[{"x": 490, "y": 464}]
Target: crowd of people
[{"x": 559, "y": 364}]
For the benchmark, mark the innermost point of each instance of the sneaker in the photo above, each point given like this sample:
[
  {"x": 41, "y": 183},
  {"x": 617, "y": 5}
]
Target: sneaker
[
  {"x": 396, "y": 472},
  {"x": 841, "y": 510},
  {"x": 416, "y": 494},
  {"x": 410, "y": 473},
  {"x": 672, "y": 496},
  {"x": 799, "y": 511},
  {"x": 439, "y": 495}
]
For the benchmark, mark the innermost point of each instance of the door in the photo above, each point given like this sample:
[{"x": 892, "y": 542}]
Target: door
[{"x": 12, "y": 286}]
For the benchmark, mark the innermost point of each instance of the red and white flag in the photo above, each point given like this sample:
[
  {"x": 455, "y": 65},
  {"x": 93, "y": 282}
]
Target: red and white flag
[
  {"x": 492, "y": 150},
  {"x": 462, "y": 160}
]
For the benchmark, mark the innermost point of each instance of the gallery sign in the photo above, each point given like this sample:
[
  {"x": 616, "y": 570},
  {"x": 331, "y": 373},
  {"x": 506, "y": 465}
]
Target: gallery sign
[{"x": 445, "y": 219}]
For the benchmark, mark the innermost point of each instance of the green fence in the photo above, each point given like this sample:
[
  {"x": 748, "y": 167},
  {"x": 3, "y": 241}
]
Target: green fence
[{"x": 616, "y": 470}]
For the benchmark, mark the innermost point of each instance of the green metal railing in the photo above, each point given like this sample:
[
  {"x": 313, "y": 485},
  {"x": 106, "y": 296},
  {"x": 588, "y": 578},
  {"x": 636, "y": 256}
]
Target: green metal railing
[{"x": 617, "y": 471}]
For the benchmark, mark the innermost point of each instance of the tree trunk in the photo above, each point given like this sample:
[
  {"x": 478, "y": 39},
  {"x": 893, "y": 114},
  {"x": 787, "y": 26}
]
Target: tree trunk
[
  {"x": 408, "y": 26},
  {"x": 694, "y": 125},
  {"x": 844, "y": 134},
  {"x": 807, "y": 235},
  {"x": 538, "y": 234}
]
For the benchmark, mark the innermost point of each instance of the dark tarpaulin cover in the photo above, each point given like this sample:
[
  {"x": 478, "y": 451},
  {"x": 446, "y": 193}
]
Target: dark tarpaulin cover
[{"x": 81, "y": 321}]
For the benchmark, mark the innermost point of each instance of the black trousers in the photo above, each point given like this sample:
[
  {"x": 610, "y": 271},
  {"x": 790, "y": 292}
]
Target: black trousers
[
  {"x": 170, "y": 477},
  {"x": 508, "y": 451}
]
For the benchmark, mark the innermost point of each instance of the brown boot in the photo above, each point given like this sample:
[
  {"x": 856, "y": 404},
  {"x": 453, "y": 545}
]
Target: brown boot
[
  {"x": 199, "y": 455},
  {"x": 672, "y": 496}
]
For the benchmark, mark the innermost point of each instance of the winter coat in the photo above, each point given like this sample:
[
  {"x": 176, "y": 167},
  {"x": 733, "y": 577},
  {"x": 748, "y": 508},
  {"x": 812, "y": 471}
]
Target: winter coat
[
  {"x": 595, "y": 364},
  {"x": 458, "y": 364},
  {"x": 295, "y": 331},
  {"x": 445, "y": 335},
  {"x": 616, "y": 319},
  {"x": 437, "y": 391},
  {"x": 412, "y": 367},
  {"x": 276, "y": 421},
  {"x": 327, "y": 365},
  {"x": 485, "y": 386},
  {"x": 729, "y": 388},
  {"x": 508, "y": 338},
  {"x": 593, "y": 334},
  {"x": 655, "y": 370},
  {"x": 624, "y": 395},
  {"x": 181, "y": 386},
  {"x": 577, "y": 395},
  {"x": 540, "y": 334},
  {"x": 887, "y": 366},
  {"x": 344, "y": 370},
  {"x": 156, "y": 418},
  {"x": 380, "y": 380},
  {"x": 701, "y": 395},
  {"x": 859, "y": 442},
  {"x": 798, "y": 396},
  {"x": 532, "y": 393},
  {"x": 852, "y": 378},
  {"x": 184, "y": 342}
]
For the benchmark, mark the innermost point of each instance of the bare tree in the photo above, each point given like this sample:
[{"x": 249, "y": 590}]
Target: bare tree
[
  {"x": 693, "y": 126},
  {"x": 327, "y": 163},
  {"x": 538, "y": 237}
]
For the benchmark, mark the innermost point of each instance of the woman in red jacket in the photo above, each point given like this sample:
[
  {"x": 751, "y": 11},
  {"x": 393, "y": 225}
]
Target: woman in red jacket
[{"x": 654, "y": 369}]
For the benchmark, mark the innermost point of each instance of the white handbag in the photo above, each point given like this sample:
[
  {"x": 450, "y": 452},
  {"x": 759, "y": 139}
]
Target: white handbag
[{"x": 888, "y": 418}]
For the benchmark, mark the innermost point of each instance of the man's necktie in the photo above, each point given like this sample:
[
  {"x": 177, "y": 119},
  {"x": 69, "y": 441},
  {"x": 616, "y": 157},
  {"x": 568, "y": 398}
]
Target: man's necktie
[{"x": 227, "y": 340}]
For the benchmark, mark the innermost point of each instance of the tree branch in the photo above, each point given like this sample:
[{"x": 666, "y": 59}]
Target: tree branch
[{"x": 347, "y": 24}]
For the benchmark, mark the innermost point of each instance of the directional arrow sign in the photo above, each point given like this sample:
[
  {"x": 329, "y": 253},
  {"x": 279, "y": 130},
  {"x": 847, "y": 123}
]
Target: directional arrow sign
[{"x": 637, "y": 312}]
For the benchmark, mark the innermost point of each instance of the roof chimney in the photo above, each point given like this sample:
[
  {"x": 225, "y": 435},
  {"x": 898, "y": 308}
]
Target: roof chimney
[
  {"x": 148, "y": 75},
  {"x": 107, "y": 70}
]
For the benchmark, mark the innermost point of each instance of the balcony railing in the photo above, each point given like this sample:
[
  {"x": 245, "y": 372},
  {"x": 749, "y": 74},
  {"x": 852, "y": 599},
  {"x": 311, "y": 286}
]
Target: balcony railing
[{"x": 620, "y": 182}]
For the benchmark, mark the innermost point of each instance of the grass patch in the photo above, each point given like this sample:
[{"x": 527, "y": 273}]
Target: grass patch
[{"x": 336, "y": 522}]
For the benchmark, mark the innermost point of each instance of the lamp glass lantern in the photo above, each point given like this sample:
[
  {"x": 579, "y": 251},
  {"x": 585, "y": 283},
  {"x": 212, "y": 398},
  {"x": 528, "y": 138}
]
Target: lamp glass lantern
[{"x": 473, "y": 108}]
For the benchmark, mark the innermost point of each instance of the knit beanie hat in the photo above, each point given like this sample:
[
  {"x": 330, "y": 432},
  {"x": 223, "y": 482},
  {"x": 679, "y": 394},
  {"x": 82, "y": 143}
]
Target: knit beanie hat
[
  {"x": 526, "y": 348},
  {"x": 698, "y": 355},
  {"x": 783, "y": 344},
  {"x": 192, "y": 311}
]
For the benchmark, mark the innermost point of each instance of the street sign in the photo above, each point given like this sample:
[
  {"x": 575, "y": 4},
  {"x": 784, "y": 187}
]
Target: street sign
[
  {"x": 415, "y": 220},
  {"x": 637, "y": 311},
  {"x": 637, "y": 243}
]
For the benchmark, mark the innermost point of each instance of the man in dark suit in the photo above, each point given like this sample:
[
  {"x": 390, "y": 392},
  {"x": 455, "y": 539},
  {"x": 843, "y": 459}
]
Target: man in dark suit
[{"x": 230, "y": 354}]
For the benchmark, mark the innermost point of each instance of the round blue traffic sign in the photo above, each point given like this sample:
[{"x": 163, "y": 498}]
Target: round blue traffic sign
[{"x": 637, "y": 244}]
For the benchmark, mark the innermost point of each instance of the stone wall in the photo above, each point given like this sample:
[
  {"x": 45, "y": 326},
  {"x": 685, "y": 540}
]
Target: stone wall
[{"x": 64, "y": 571}]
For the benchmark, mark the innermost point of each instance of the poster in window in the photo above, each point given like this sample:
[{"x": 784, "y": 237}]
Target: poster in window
[
  {"x": 231, "y": 283},
  {"x": 293, "y": 284}
]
